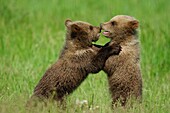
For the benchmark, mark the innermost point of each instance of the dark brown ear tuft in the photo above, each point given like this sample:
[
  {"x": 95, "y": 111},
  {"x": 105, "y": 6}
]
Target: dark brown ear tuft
[
  {"x": 134, "y": 24},
  {"x": 75, "y": 28},
  {"x": 78, "y": 32},
  {"x": 68, "y": 22}
]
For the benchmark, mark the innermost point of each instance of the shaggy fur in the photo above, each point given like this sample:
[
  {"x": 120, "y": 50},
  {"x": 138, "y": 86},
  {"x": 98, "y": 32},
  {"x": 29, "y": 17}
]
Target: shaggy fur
[
  {"x": 123, "y": 70},
  {"x": 78, "y": 58}
]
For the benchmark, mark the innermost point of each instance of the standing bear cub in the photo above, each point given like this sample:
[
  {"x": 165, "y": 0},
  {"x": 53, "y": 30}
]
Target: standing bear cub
[
  {"x": 77, "y": 59},
  {"x": 124, "y": 75}
]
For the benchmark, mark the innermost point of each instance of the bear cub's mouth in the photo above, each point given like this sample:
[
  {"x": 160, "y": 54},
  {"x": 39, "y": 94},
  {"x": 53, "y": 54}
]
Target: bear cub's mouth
[
  {"x": 96, "y": 37},
  {"x": 106, "y": 33}
]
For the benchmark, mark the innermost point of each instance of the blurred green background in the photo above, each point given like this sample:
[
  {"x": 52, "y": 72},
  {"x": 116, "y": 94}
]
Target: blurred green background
[{"x": 32, "y": 33}]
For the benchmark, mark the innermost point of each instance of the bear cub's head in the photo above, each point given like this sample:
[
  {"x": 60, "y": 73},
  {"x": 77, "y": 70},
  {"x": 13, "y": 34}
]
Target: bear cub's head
[
  {"x": 82, "y": 31},
  {"x": 120, "y": 25}
]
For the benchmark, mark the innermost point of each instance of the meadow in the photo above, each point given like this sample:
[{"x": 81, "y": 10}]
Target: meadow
[{"x": 32, "y": 33}]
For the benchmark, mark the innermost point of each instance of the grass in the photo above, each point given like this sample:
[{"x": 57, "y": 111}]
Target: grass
[{"x": 32, "y": 33}]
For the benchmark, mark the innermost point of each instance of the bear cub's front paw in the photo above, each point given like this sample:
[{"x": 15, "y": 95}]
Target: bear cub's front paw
[{"x": 116, "y": 48}]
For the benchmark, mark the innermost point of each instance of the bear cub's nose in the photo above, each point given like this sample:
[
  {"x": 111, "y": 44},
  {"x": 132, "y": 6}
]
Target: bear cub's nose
[{"x": 101, "y": 24}]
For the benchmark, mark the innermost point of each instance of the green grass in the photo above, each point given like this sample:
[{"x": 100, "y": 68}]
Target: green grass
[{"x": 32, "y": 33}]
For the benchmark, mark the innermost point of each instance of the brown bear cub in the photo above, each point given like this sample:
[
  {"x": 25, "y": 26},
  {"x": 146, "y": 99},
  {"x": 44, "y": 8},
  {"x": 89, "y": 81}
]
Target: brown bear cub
[
  {"x": 124, "y": 75},
  {"x": 77, "y": 59}
]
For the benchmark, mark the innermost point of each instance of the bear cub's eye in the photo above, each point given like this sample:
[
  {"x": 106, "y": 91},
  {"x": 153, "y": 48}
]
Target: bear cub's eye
[
  {"x": 113, "y": 23},
  {"x": 91, "y": 27}
]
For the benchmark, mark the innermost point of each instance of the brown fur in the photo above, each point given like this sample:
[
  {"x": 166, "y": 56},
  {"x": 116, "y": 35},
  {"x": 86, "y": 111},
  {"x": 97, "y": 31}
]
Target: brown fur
[
  {"x": 78, "y": 58},
  {"x": 124, "y": 75}
]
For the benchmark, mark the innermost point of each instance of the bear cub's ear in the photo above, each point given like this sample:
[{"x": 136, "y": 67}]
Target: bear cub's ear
[
  {"x": 68, "y": 22},
  {"x": 134, "y": 24},
  {"x": 75, "y": 28}
]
